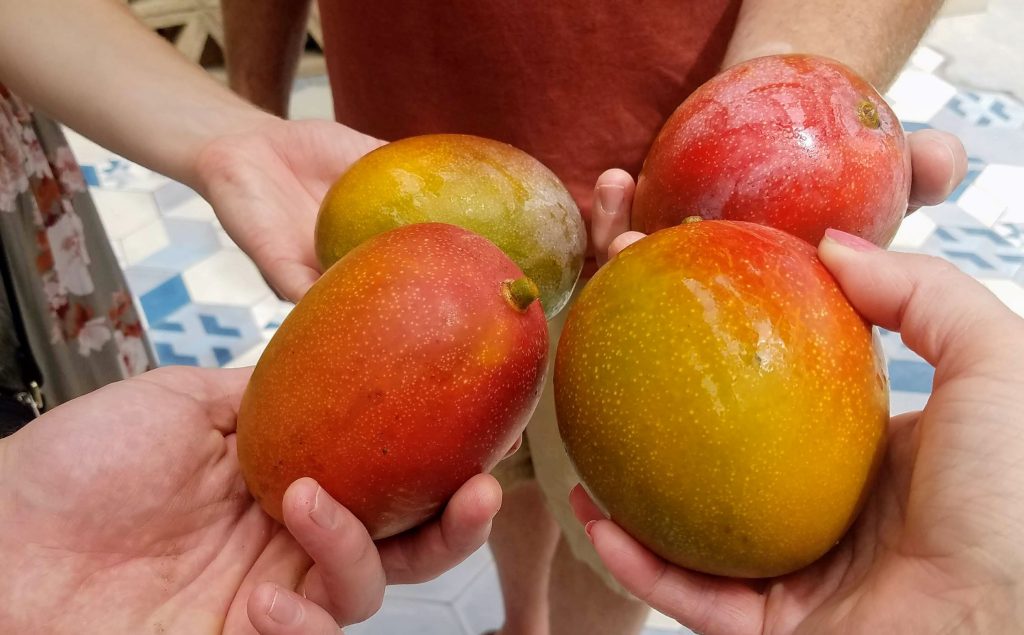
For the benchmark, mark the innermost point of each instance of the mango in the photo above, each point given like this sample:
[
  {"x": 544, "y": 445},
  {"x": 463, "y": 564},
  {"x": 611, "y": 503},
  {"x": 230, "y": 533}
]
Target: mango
[
  {"x": 721, "y": 399},
  {"x": 488, "y": 187},
  {"x": 798, "y": 142},
  {"x": 411, "y": 365}
]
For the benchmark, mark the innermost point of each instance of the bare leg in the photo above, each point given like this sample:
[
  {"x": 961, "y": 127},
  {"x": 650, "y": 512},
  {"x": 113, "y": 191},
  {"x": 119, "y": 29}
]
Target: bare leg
[
  {"x": 523, "y": 541},
  {"x": 583, "y": 604},
  {"x": 263, "y": 42}
]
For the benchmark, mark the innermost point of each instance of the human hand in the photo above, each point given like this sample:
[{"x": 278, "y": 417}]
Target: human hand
[
  {"x": 938, "y": 164},
  {"x": 936, "y": 548},
  {"x": 124, "y": 511},
  {"x": 266, "y": 184}
]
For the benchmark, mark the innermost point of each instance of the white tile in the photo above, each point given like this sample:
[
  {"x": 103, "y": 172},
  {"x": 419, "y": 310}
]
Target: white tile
[
  {"x": 270, "y": 309},
  {"x": 195, "y": 235},
  {"x": 224, "y": 240},
  {"x": 85, "y": 150},
  {"x": 247, "y": 358},
  {"x": 914, "y": 230},
  {"x": 480, "y": 605},
  {"x": 124, "y": 213},
  {"x": 449, "y": 586},
  {"x": 399, "y": 616},
  {"x": 123, "y": 175},
  {"x": 926, "y": 59},
  {"x": 1006, "y": 184},
  {"x": 900, "y": 402},
  {"x": 918, "y": 96},
  {"x": 143, "y": 243},
  {"x": 194, "y": 208},
  {"x": 1005, "y": 181},
  {"x": 226, "y": 277},
  {"x": 1009, "y": 291},
  {"x": 663, "y": 622},
  {"x": 983, "y": 205},
  {"x": 142, "y": 279},
  {"x": 174, "y": 195}
]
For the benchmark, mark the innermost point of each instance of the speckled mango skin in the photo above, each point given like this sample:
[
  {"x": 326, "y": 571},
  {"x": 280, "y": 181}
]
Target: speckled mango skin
[
  {"x": 403, "y": 372},
  {"x": 721, "y": 399},
  {"x": 488, "y": 187},
  {"x": 787, "y": 141}
]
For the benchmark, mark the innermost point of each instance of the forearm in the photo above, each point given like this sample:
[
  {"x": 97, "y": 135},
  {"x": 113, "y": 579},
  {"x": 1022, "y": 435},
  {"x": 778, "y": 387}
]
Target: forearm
[
  {"x": 874, "y": 37},
  {"x": 92, "y": 65},
  {"x": 263, "y": 42}
]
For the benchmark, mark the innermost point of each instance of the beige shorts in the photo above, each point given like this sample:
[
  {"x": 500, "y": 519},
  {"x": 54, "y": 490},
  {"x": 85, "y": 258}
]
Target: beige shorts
[{"x": 542, "y": 458}]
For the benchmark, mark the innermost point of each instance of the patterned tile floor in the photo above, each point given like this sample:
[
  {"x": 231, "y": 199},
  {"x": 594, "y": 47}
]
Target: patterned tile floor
[{"x": 206, "y": 304}]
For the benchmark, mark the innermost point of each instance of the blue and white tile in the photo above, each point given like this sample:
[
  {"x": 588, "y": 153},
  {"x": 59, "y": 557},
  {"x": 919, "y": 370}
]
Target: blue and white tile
[
  {"x": 917, "y": 96},
  {"x": 124, "y": 213},
  {"x": 225, "y": 276},
  {"x": 914, "y": 231},
  {"x": 987, "y": 109}
]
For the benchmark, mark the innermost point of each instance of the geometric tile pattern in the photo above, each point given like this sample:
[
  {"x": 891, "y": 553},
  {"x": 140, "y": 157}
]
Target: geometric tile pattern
[{"x": 205, "y": 304}]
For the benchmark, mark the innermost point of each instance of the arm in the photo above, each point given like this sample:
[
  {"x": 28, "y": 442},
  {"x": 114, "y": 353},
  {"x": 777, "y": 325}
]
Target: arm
[
  {"x": 263, "y": 176},
  {"x": 874, "y": 37},
  {"x": 263, "y": 42},
  {"x": 149, "y": 103}
]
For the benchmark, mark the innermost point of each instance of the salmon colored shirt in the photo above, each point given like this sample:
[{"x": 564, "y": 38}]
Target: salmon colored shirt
[{"x": 583, "y": 85}]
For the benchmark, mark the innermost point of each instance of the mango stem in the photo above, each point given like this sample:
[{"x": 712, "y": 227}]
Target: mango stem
[{"x": 520, "y": 293}]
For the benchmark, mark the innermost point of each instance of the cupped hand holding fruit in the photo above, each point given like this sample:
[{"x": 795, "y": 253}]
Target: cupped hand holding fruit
[
  {"x": 936, "y": 547},
  {"x": 124, "y": 511},
  {"x": 266, "y": 185}
]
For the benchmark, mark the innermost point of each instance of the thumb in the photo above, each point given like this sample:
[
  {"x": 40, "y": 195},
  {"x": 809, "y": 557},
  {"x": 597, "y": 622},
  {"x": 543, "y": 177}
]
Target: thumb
[
  {"x": 289, "y": 279},
  {"x": 943, "y": 315}
]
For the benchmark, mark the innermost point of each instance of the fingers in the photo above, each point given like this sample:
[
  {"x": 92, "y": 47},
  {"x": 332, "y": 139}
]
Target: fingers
[
  {"x": 622, "y": 241},
  {"x": 290, "y": 279},
  {"x": 938, "y": 164},
  {"x": 429, "y": 551},
  {"x": 613, "y": 200},
  {"x": 347, "y": 579},
  {"x": 515, "y": 447},
  {"x": 702, "y": 603},
  {"x": 219, "y": 390},
  {"x": 583, "y": 506},
  {"x": 277, "y": 611},
  {"x": 942, "y": 314}
]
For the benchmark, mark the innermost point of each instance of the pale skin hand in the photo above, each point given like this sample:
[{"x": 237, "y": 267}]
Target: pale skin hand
[
  {"x": 266, "y": 186},
  {"x": 936, "y": 548},
  {"x": 264, "y": 176},
  {"x": 124, "y": 512}
]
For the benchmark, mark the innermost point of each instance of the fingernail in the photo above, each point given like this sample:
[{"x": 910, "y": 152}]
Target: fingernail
[
  {"x": 588, "y": 528},
  {"x": 284, "y": 609},
  {"x": 610, "y": 197},
  {"x": 950, "y": 184},
  {"x": 855, "y": 243},
  {"x": 325, "y": 510}
]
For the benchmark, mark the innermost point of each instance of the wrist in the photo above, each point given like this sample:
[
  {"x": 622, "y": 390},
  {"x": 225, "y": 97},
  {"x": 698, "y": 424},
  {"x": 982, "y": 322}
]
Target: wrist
[
  {"x": 212, "y": 141},
  {"x": 741, "y": 51}
]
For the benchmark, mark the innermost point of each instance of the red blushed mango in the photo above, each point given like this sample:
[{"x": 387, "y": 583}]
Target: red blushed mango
[
  {"x": 413, "y": 364},
  {"x": 796, "y": 142},
  {"x": 721, "y": 399}
]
